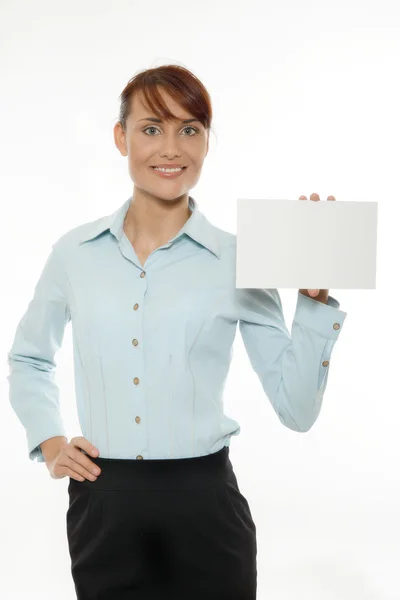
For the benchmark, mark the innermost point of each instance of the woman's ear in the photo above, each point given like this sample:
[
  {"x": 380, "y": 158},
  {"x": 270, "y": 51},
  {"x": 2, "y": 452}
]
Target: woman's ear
[{"x": 119, "y": 139}]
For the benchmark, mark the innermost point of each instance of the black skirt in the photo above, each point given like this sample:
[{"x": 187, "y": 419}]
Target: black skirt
[{"x": 162, "y": 529}]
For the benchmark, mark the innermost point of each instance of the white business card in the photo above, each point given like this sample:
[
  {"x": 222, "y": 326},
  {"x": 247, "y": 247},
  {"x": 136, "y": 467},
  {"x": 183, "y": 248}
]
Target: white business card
[{"x": 306, "y": 244}]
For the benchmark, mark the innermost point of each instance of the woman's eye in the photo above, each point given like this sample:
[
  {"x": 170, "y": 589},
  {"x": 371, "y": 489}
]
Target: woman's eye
[{"x": 156, "y": 129}]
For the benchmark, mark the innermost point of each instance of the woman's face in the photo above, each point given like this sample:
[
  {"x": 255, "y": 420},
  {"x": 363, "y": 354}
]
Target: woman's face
[{"x": 148, "y": 143}]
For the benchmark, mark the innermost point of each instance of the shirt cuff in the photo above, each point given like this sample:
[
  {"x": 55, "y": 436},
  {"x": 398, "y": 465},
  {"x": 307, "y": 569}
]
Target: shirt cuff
[{"x": 325, "y": 319}]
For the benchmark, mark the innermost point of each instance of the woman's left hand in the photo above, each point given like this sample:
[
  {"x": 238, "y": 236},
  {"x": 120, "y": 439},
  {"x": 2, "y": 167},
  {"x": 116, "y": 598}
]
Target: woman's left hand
[{"x": 319, "y": 295}]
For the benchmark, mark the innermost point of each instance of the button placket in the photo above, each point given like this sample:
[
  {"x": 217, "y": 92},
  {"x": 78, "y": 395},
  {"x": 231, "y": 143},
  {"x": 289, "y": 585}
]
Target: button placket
[{"x": 136, "y": 380}]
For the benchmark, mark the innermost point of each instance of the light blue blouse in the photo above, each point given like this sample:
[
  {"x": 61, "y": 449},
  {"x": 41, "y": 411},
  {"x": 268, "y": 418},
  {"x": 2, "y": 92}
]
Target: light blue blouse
[{"x": 152, "y": 343}]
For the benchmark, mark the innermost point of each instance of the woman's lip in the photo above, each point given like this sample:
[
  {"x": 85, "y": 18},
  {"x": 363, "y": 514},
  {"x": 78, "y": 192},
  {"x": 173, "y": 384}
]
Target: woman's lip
[{"x": 168, "y": 175}]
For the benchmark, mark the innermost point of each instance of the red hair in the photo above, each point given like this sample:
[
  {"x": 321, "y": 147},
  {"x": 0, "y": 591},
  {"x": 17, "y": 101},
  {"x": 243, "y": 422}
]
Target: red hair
[{"x": 180, "y": 83}]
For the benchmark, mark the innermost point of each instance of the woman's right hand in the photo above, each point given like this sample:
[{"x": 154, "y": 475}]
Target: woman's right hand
[{"x": 74, "y": 463}]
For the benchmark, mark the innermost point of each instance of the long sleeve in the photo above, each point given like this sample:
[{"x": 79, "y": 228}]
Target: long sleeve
[
  {"x": 293, "y": 368},
  {"x": 33, "y": 392}
]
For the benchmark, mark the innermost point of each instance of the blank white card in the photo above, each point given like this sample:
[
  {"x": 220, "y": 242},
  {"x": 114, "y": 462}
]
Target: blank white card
[{"x": 305, "y": 244}]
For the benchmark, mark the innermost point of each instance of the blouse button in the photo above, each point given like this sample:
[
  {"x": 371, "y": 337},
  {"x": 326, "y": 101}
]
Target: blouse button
[
  {"x": 139, "y": 457},
  {"x": 336, "y": 326},
  {"x": 136, "y": 306},
  {"x": 325, "y": 363},
  {"x": 142, "y": 274},
  {"x": 135, "y": 342},
  {"x": 136, "y": 380},
  {"x": 137, "y": 419}
]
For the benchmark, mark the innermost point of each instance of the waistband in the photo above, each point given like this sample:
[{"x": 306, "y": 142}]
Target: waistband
[{"x": 152, "y": 474}]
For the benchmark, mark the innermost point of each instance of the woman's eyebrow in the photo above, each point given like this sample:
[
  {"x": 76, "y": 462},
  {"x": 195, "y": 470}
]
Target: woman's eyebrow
[{"x": 160, "y": 121}]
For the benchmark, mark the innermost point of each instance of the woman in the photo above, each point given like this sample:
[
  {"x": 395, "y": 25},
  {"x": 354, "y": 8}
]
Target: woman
[{"x": 150, "y": 293}]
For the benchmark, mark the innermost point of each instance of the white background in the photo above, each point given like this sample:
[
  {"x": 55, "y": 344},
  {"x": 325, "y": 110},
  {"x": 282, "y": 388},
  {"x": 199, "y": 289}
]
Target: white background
[{"x": 306, "y": 99}]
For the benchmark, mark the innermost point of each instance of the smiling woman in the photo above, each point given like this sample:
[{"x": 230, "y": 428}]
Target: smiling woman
[{"x": 150, "y": 292}]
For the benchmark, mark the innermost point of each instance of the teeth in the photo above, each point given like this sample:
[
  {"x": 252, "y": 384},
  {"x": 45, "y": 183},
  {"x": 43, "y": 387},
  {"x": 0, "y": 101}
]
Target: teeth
[{"x": 167, "y": 170}]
